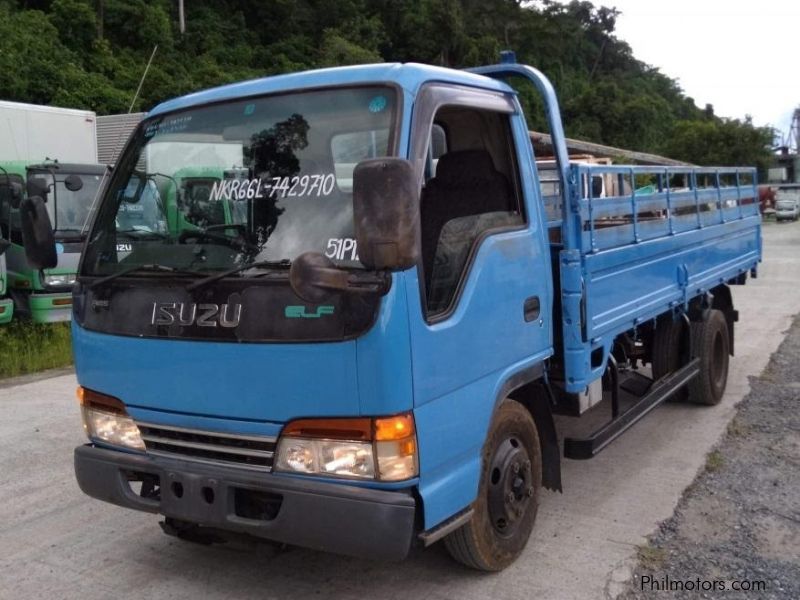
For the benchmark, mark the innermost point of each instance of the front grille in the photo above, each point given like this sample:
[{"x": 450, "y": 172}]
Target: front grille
[{"x": 245, "y": 451}]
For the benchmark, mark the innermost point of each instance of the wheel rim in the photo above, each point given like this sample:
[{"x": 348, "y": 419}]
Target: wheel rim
[{"x": 510, "y": 486}]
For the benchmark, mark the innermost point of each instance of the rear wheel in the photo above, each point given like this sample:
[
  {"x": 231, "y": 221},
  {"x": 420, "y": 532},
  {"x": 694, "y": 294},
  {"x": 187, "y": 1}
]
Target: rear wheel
[
  {"x": 508, "y": 494},
  {"x": 710, "y": 342},
  {"x": 670, "y": 351}
]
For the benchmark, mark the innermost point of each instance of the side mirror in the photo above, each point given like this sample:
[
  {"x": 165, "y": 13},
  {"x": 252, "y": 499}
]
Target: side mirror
[
  {"x": 4, "y": 245},
  {"x": 37, "y": 234},
  {"x": 73, "y": 183},
  {"x": 16, "y": 194},
  {"x": 38, "y": 186},
  {"x": 386, "y": 214}
]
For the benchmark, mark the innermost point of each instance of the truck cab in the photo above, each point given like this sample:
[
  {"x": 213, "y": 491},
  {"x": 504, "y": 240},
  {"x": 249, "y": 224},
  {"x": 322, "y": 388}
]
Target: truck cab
[
  {"x": 370, "y": 359},
  {"x": 45, "y": 295}
]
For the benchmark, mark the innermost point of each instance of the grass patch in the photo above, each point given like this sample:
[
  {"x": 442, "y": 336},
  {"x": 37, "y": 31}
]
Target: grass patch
[
  {"x": 27, "y": 347},
  {"x": 714, "y": 461},
  {"x": 650, "y": 557},
  {"x": 737, "y": 429},
  {"x": 768, "y": 374}
]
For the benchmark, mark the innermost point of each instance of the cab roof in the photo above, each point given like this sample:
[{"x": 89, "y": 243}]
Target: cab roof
[{"x": 409, "y": 76}]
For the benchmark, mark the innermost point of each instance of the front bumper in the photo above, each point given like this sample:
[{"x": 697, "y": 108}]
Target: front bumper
[
  {"x": 331, "y": 517},
  {"x": 6, "y": 310},
  {"x": 50, "y": 308}
]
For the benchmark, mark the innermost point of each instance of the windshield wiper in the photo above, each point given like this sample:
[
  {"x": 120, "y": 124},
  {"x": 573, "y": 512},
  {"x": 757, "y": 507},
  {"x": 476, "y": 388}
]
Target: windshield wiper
[
  {"x": 138, "y": 234},
  {"x": 282, "y": 265},
  {"x": 143, "y": 268}
]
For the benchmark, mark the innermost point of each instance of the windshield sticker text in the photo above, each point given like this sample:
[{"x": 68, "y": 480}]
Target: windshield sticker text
[
  {"x": 276, "y": 187},
  {"x": 342, "y": 249},
  {"x": 167, "y": 126}
]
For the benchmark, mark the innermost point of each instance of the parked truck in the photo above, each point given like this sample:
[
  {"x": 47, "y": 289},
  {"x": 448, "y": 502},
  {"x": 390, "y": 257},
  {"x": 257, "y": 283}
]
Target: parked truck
[
  {"x": 54, "y": 152},
  {"x": 7, "y": 192},
  {"x": 6, "y": 303},
  {"x": 371, "y": 361}
]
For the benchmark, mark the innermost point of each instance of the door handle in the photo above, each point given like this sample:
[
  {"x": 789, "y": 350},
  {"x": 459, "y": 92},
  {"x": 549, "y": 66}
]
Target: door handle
[{"x": 531, "y": 309}]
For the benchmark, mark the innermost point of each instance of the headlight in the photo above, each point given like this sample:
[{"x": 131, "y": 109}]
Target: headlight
[
  {"x": 58, "y": 280},
  {"x": 383, "y": 449},
  {"x": 329, "y": 457},
  {"x": 106, "y": 420}
]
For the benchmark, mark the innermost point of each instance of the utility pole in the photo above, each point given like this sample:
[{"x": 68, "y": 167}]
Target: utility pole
[
  {"x": 100, "y": 18},
  {"x": 793, "y": 140},
  {"x": 181, "y": 18}
]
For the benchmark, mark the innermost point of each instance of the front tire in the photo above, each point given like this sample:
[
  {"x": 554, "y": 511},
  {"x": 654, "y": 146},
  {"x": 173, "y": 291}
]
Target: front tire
[
  {"x": 508, "y": 494},
  {"x": 710, "y": 342}
]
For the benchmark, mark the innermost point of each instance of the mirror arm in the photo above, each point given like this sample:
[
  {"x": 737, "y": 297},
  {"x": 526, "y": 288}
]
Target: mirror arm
[
  {"x": 359, "y": 283},
  {"x": 377, "y": 282}
]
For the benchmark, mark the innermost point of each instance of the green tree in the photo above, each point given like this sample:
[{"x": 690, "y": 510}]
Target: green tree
[
  {"x": 91, "y": 54},
  {"x": 721, "y": 142}
]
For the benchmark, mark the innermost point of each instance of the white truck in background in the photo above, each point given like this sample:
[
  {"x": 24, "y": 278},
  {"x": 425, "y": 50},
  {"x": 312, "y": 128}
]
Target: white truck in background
[
  {"x": 33, "y": 133},
  {"x": 49, "y": 152}
]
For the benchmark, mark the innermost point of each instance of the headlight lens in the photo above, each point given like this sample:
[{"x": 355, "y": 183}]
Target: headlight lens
[
  {"x": 328, "y": 457},
  {"x": 397, "y": 460},
  {"x": 105, "y": 420},
  {"x": 58, "y": 280},
  {"x": 384, "y": 449}
]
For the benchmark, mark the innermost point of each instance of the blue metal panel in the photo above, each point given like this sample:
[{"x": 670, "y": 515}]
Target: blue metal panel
[
  {"x": 254, "y": 382},
  {"x": 623, "y": 289},
  {"x": 408, "y": 76},
  {"x": 635, "y": 256},
  {"x": 461, "y": 363},
  {"x": 384, "y": 358},
  {"x": 258, "y": 382},
  {"x": 452, "y": 430}
]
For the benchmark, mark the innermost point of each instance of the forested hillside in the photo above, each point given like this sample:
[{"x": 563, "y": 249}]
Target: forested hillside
[{"x": 91, "y": 54}]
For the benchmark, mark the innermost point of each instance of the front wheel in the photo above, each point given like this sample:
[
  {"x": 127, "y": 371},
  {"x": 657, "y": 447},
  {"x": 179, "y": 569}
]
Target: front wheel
[{"x": 508, "y": 494}]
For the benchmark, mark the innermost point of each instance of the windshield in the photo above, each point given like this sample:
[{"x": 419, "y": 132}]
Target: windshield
[
  {"x": 786, "y": 204},
  {"x": 260, "y": 179},
  {"x": 69, "y": 211}
]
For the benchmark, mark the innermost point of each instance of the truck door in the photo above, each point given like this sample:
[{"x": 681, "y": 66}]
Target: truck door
[{"x": 480, "y": 306}]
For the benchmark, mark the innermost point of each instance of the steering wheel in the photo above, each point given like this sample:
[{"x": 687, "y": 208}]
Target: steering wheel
[{"x": 237, "y": 243}]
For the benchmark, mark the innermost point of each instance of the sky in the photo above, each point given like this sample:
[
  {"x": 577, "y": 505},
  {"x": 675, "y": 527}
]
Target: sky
[{"x": 743, "y": 57}]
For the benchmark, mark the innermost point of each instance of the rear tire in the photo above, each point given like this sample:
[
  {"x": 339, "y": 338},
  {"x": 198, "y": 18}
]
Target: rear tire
[
  {"x": 670, "y": 351},
  {"x": 710, "y": 342},
  {"x": 508, "y": 494}
]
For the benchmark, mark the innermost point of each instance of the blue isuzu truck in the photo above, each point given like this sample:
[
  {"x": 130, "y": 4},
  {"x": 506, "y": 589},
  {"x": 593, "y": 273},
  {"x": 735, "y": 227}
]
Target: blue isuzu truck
[{"x": 370, "y": 359}]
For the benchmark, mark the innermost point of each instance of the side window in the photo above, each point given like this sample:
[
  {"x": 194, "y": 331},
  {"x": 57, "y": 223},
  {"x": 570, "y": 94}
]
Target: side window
[
  {"x": 472, "y": 187},
  {"x": 550, "y": 182}
]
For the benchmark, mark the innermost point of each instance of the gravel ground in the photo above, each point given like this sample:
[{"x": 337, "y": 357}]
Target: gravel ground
[{"x": 739, "y": 521}]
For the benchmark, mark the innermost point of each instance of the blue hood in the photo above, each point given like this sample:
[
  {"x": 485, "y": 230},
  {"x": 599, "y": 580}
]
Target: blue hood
[{"x": 264, "y": 382}]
